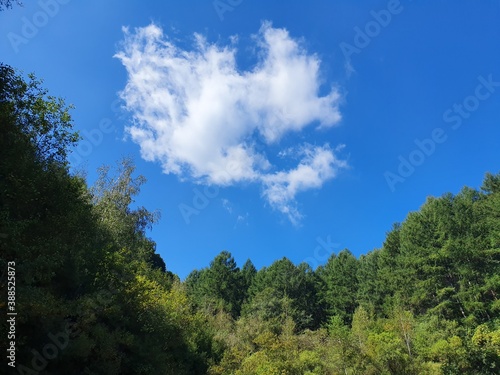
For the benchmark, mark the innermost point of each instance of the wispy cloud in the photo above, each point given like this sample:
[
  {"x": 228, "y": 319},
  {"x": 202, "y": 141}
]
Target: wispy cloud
[
  {"x": 318, "y": 165},
  {"x": 240, "y": 220},
  {"x": 204, "y": 119},
  {"x": 227, "y": 205}
]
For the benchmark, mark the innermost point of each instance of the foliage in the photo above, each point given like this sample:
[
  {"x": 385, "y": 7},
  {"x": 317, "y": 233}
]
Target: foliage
[
  {"x": 87, "y": 271},
  {"x": 425, "y": 303}
]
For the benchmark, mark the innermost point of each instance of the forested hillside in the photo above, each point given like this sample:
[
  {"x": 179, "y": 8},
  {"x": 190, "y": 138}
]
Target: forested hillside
[{"x": 94, "y": 297}]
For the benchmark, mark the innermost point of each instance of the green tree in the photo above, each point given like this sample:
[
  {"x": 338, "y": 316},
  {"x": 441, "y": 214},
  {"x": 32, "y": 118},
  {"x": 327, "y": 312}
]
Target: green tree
[
  {"x": 372, "y": 292},
  {"x": 44, "y": 214},
  {"x": 220, "y": 286},
  {"x": 284, "y": 289},
  {"x": 248, "y": 272},
  {"x": 341, "y": 285}
]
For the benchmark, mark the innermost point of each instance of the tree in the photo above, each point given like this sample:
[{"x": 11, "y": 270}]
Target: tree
[
  {"x": 220, "y": 286},
  {"x": 371, "y": 291},
  {"x": 341, "y": 285},
  {"x": 248, "y": 272},
  {"x": 42, "y": 118},
  {"x": 293, "y": 292},
  {"x": 46, "y": 221},
  {"x": 112, "y": 197}
]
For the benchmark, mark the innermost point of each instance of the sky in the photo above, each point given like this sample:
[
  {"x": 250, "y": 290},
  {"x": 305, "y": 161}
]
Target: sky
[{"x": 293, "y": 129}]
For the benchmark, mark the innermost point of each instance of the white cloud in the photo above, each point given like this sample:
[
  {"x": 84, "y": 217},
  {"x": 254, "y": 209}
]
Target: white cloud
[
  {"x": 318, "y": 165},
  {"x": 203, "y": 118}
]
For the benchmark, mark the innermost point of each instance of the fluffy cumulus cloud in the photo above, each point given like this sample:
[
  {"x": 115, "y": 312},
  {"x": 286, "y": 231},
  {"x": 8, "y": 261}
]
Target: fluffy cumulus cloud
[{"x": 200, "y": 116}]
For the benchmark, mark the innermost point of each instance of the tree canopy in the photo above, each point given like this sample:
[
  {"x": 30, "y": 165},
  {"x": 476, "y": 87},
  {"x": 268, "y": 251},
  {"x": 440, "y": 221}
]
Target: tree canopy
[{"x": 92, "y": 281}]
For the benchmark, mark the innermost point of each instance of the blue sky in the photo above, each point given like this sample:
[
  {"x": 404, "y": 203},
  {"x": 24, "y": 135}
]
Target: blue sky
[{"x": 287, "y": 129}]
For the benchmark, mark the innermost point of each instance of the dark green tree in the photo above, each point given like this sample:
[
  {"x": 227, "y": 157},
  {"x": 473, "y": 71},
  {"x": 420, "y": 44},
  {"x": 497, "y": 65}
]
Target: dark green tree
[
  {"x": 293, "y": 292},
  {"x": 220, "y": 286},
  {"x": 340, "y": 285},
  {"x": 248, "y": 272}
]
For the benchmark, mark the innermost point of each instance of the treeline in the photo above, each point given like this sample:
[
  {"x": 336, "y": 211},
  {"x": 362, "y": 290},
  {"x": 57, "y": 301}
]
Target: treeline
[
  {"x": 425, "y": 303},
  {"x": 94, "y": 297}
]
